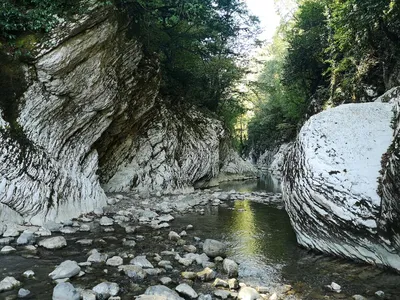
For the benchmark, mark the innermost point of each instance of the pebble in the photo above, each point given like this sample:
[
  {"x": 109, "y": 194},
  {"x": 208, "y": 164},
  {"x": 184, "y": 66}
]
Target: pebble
[
  {"x": 189, "y": 275},
  {"x": 141, "y": 261},
  {"x": 233, "y": 284},
  {"x": 165, "y": 280},
  {"x": 56, "y": 242},
  {"x": 68, "y": 230},
  {"x": 220, "y": 283},
  {"x": 134, "y": 272},
  {"x": 206, "y": 275},
  {"x": 97, "y": 257},
  {"x": 6, "y": 241},
  {"x": 66, "y": 269},
  {"x": 84, "y": 228},
  {"x": 162, "y": 290},
  {"x": 214, "y": 248},
  {"x": 248, "y": 293},
  {"x": 22, "y": 293},
  {"x": 25, "y": 238},
  {"x": 106, "y": 289},
  {"x": 29, "y": 274},
  {"x": 105, "y": 221},
  {"x": 129, "y": 243},
  {"x": 230, "y": 267},
  {"x": 173, "y": 236},
  {"x": 85, "y": 242},
  {"x": 8, "y": 284},
  {"x": 88, "y": 295},
  {"x": 186, "y": 290},
  {"x": 130, "y": 229},
  {"x": 7, "y": 250},
  {"x": 65, "y": 291},
  {"x": 43, "y": 232},
  {"x": 334, "y": 287},
  {"x": 115, "y": 261},
  {"x": 190, "y": 248},
  {"x": 222, "y": 294},
  {"x": 380, "y": 294}
]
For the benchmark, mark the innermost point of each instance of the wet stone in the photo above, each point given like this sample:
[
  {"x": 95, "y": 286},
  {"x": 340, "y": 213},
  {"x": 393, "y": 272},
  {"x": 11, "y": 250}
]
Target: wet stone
[
  {"x": 7, "y": 250},
  {"x": 65, "y": 291},
  {"x": 115, "y": 261},
  {"x": 56, "y": 242},
  {"x": 105, "y": 290},
  {"x": 22, "y": 293},
  {"x": 29, "y": 274},
  {"x": 206, "y": 275},
  {"x": 220, "y": 283},
  {"x": 222, "y": 294},
  {"x": 248, "y": 293},
  {"x": 141, "y": 261},
  {"x": 105, "y": 221},
  {"x": 8, "y": 284},
  {"x": 66, "y": 269},
  {"x": 186, "y": 290},
  {"x": 165, "y": 280}
]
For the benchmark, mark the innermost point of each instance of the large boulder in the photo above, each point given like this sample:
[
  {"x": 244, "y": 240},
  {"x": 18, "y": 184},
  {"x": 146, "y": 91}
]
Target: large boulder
[{"x": 331, "y": 180}]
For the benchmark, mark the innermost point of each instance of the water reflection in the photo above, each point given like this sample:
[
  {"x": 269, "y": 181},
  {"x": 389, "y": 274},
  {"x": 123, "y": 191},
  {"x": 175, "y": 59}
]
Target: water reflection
[
  {"x": 262, "y": 241},
  {"x": 266, "y": 183}
]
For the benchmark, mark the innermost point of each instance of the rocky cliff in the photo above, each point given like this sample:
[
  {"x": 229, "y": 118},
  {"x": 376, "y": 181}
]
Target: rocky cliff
[
  {"x": 331, "y": 180},
  {"x": 91, "y": 120}
]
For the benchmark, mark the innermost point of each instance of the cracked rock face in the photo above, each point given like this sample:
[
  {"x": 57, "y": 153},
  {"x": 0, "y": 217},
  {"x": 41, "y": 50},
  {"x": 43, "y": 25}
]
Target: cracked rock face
[
  {"x": 91, "y": 119},
  {"x": 330, "y": 183},
  {"x": 172, "y": 150}
]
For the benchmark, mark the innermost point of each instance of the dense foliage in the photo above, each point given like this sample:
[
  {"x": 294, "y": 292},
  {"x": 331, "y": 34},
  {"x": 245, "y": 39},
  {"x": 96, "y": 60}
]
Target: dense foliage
[
  {"x": 200, "y": 44},
  {"x": 26, "y": 16},
  {"x": 337, "y": 51}
]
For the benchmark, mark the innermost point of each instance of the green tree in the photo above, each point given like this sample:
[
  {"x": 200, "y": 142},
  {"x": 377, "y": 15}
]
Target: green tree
[{"x": 199, "y": 44}]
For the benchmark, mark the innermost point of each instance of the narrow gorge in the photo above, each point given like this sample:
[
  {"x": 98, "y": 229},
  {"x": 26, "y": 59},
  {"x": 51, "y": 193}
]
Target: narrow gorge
[
  {"x": 92, "y": 121},
  {"x": 162, "y": 150}
]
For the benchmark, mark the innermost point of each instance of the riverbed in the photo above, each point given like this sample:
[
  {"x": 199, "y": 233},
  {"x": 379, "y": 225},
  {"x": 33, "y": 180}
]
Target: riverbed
[{"x": 258, "y": 235}]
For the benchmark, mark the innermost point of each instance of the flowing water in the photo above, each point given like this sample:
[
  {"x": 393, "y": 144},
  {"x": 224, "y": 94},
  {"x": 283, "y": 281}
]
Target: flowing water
[{"x": 259, "y": 236}]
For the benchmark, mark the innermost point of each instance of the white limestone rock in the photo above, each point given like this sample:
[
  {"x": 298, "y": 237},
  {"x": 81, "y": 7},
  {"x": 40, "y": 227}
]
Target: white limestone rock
[
  {"x": 141, "y": 261},
  {"x": 186, "y": 290},
  {"x": 7, "y": 250},
  {"x": 66, "y": 269},
  {"x": 115, "y": 261},
  {"x": 8, "y": 284},
  {"x": 105, "y": 290},
  {"x": 330, "y": 182},
  {"x": 97, "y": 257},
  {"x": 56, "y": 242},
  {"x": 65, "y": 291},
  {"x": 162, "y": 291},
  {"x": 248, "y": 293}
]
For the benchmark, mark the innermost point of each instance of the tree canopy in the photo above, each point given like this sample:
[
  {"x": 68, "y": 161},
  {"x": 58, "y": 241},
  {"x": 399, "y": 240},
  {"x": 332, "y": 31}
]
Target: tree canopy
[
  {"x": 337, "y": 51},
  {"x": 200, "y": 44}
]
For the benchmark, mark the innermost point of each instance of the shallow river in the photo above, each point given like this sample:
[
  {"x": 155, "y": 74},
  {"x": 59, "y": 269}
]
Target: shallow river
[{"x": 260, "y": 238}]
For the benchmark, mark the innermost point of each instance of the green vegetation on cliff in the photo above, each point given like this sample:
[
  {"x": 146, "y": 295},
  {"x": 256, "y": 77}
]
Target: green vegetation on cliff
[
  {"x": 334, "y": 51},
  {"x": 201, "y": 45}
]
